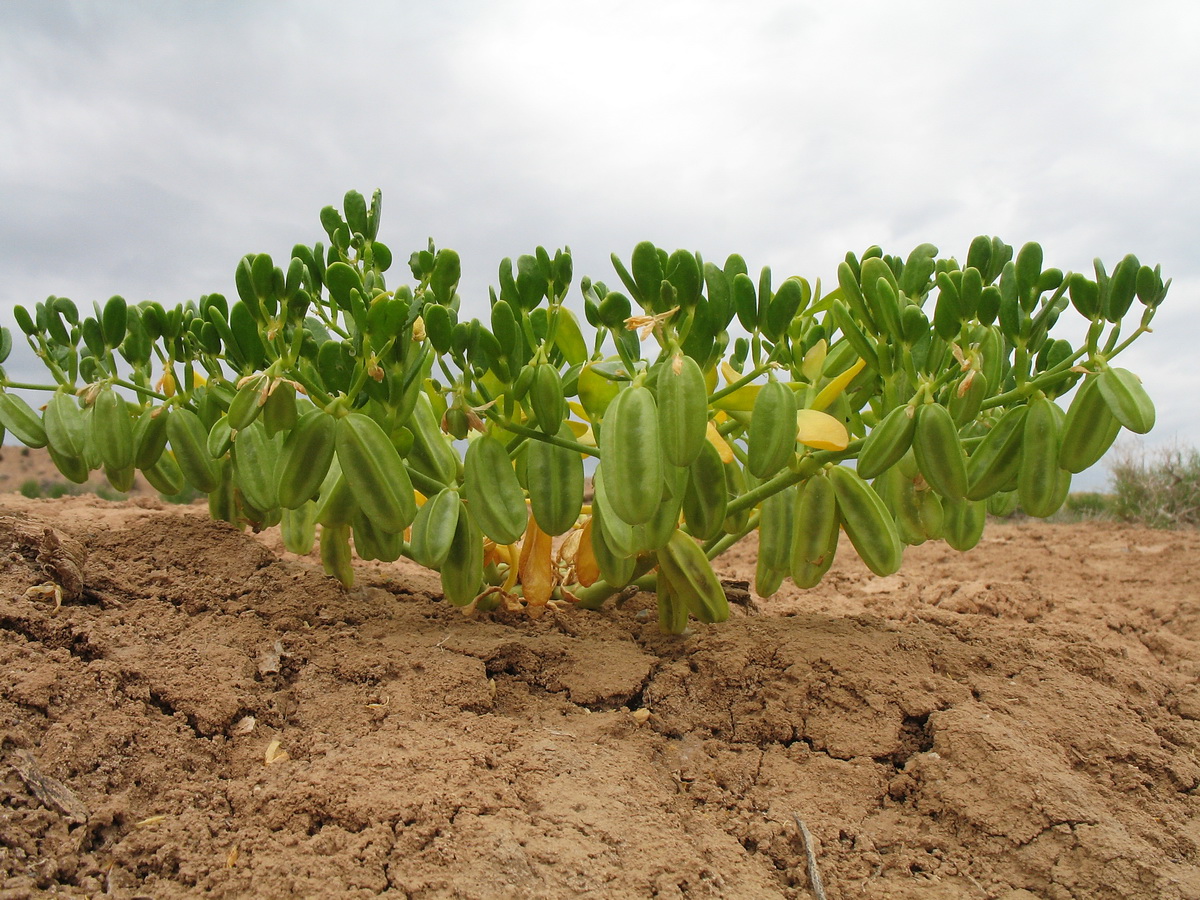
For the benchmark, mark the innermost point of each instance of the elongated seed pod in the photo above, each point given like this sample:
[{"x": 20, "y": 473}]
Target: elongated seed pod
[
  {"x": 375, "y": 472},
  {"x": 165, "y": 476},
  {"x": 546, "y": 398},
  {"x": 433, "y": 529},
  {"x": 682, "y": 398},
  {"x": 64, "y": 425},
  {"x": 280, "y": 412},
  {"x": 493, "y": 492},
  {"x": 887, "y": 442},
  {"x": 994, "y": 462},
  {"x": 255, "y": 466},
  {"x": 964, "y": 521},
  {"x": 1037, "y": 475},
  {"x": 629, "y": 442},
  {"x": 615, "y": 568},
  {"x": 620, "y": 534},
  {"x": 555, "y": 479},
  {"x": 706, "y": 496},
  {"x": 298, "y": 528},
  {"x": 775, "y": 531},
  {"x": 867, "y": 522},
  {"x": 1090, "y": 429},
  {"x": 939, "y": 451},
  {"x": 21, "y": 421},
  {"x": 462, "y": 573},
  {"x": 691, "y": 574},
  {"x": 245, "y": 406},
  {"x": 73, "y": 468},
  {"x": 112, "y": 429},
  {"x": 1127, "y": 400},
  {"x": 305, "y": 458},
  {"x": 815, "y": 531},
  {"x": 899, "y": 495},
  {"x": 189, "y": 441},
  {"x": 772, "y": 440},
  {"x": 150, "y": 436},
  {"x": 431, "y": 453},
  {"x": 335, "y": 553},
  {"x": 672, "y": 611}
]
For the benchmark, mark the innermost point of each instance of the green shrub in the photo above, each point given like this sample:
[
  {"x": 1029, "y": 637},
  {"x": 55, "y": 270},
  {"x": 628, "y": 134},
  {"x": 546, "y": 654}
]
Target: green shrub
[{"x": 1159, "y": 488}]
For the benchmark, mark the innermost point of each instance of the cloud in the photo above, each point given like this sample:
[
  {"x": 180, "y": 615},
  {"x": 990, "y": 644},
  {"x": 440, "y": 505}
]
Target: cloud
[{"x": 149, "y": 145}]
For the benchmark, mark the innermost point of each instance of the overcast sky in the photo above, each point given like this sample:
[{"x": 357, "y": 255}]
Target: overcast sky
[{"x": 145, "y": 147}]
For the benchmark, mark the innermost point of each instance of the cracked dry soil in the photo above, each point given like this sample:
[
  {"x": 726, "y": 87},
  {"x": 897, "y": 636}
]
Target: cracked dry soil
[{"x": 1019, "y": 722}]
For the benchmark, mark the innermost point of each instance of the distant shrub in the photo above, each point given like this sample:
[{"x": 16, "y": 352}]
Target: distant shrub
[
  {"x": 1089, "y": 505},
  {"x": 1159, "y": 488},
  {"x": 31, "y": 488}
]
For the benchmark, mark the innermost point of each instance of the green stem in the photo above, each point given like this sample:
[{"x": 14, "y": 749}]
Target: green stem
[
  {"x": 593, "y": 597},
  {"x": 145, "y": 391},
  {"x": 29, "y": 386},
  {"x": 537, "y": 435},
  {"x": 740, "y": 383},
  {"x": 1046, "y": 379},
  {"x": 717, "y": 546}
]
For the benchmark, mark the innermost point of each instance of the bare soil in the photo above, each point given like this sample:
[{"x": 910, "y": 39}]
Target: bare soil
[{"x": 206, "y": 714}]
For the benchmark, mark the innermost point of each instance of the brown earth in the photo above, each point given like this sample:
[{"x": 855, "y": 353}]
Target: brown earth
[{"x": 1019, "y": 722}]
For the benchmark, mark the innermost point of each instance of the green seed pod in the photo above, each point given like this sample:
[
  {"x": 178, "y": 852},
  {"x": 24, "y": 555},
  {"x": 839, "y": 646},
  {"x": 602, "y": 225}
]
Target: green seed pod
[
  {"x": 245, "y": 406},
  {"x": 335, "y": 553},
  {"x": 375, "y": 472},
  {"x": 1090, "y": 429},
  {"x": 150, "y": 436},
  {"x": 707, "y": 495},
  {"x": 305, "y": 458},
  {"x": 964, "y": 521},
  {"x": 772, "y": 440},
  {"x": 619, "y": 533},
  {"x": 165, "y": 475},
  {"x": 21, "y": 421},
  {"x": 815, "y": 531},
  {"x": 189, "y": 440},
  {"x": 993, "y": 464},
  {"x": 222, "y": 503},
  {"x": 462, "y": 573},
  {"x": 682, "y": 400},
  {"x": 672, "y": 612},
  {"x": 431, "y": 453},
  {"x": 64, "y": 425},
  {"x": 691, "y": 574},
  {"x": 546, "y": 398},
  {"x": 966, "y": 399},
  {"x": 493, "y": 493},
  {"x": 775, "y": 532},
  {"x": 1002, "y": 505},
  {"x": 73, "y": 468},
  {"x": 887, "y": 442},
  {"x": 280, "y": 412},
  {"x": 939, "y": 452},
  {"x": 112, "y": 430},
  {"x": 555, "y": 480},
  {"x": 867, "y": 522},
  {"x": 298, "y": 528},
  {"x": 255, "y": 467},
  {"x": 220, "y": 438},
  {"x": 1127, "y": 400},
  {"x": 1037, "y": 475},
  {"x": 630, "y": 442},
  {"x": 434, "y": 528}
]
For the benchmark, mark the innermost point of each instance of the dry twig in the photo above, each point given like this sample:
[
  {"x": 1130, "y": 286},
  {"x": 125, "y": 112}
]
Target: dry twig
[{"x": 814, "y": 876}]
